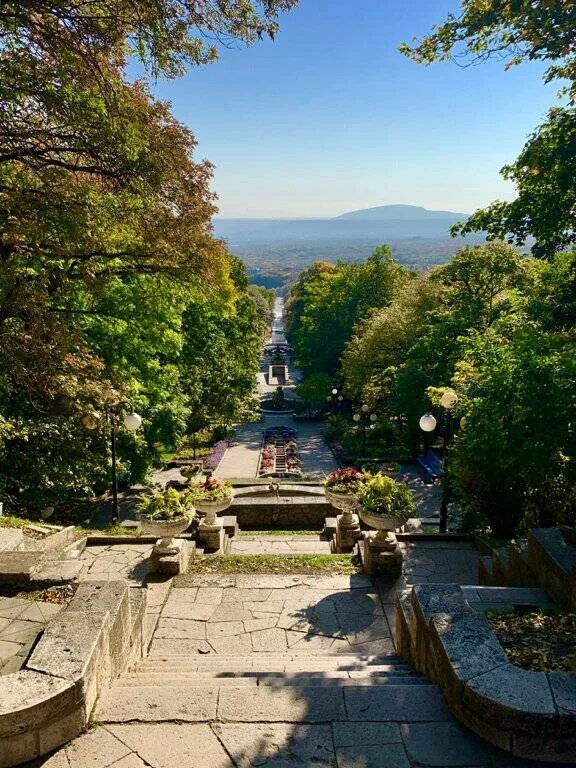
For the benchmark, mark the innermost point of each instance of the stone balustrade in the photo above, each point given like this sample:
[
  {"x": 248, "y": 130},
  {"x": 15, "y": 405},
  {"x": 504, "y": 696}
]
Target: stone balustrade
[
  {"x": 530, "y": 714},
  {"x": 50, "y": 700}
]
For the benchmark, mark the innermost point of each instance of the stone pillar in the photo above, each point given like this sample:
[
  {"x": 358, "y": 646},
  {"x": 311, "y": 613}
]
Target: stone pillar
[
  {"x": 380, "y": 553},
  {"x": 347, "y": 531},
  {"x": 170, "y": 556},
  {"x": 211, "y": 533}
]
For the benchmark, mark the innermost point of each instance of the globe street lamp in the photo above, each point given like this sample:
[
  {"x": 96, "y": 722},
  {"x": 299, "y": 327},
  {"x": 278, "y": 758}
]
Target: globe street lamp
[
  {"x": 364, "y": 419},
  {"x": 428, "y": 424},
  {"x": 132, "y": 422}
]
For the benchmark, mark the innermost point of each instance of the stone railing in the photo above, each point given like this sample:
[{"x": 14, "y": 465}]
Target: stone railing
[
  {"x": 546, "y": 559},
  {"x": 50, "y": 700},
  {"x": 530, "y": 714}
]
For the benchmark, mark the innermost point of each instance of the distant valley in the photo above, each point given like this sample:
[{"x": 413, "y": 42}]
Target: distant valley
[{"x": 276, "y": 250}]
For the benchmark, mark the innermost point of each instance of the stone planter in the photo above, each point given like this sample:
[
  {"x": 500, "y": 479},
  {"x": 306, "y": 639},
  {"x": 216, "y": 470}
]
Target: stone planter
[
  {"x": 380, "y": 552},
  {"x": 164, "y": 529},
  {"x": 212, "y": 508},
  {"x": 383, "y": 524},
  {"x": 348, "y": 525},
  {"x": 345, "y": 502}
]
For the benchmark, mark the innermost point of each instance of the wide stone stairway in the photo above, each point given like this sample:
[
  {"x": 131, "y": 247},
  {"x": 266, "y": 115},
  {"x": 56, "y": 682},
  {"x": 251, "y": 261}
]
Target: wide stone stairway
[{"x": 248, "y": 670}]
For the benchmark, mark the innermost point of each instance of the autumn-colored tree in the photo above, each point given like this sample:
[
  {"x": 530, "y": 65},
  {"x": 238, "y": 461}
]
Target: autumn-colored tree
[{"x": 105, "y": 224}]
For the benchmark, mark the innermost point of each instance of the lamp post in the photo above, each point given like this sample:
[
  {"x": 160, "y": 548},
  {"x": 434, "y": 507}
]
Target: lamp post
[
  {"x": 428, "y": 424},
  {"x": 363, "y": 419},
  {"x": 337, "y": 399},
  {"x": 131, "y": 421}
]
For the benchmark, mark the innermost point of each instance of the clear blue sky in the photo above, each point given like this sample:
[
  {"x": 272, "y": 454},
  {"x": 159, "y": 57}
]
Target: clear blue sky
[{"x": 331, "y": 118}]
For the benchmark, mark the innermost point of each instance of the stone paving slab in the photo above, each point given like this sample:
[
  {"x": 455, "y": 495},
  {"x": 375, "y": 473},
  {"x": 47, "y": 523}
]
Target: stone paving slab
[
  {"x": 269, "y": 743},
  {"x": 396, "y": 704},
  {"x": 271, "y": 614},
  {"x": 293, "y": 705},
  {"x": 116, "y": 561},
  {"x": 21, "y": 621},
  {"x": 147, "y": 702}
]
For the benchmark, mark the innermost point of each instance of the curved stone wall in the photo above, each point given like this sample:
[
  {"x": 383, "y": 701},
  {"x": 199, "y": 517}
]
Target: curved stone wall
[
  {"x": 530, "y": 714},
  {"x": 50, "y": 700}
]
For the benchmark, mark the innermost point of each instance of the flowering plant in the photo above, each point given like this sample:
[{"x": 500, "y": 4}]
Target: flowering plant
[
  {"x": 211, "y": 490},
  {"x": 384, "y": 496},
  {"x": 344, "y": 481},
  {"x": 216, "y": 454}
]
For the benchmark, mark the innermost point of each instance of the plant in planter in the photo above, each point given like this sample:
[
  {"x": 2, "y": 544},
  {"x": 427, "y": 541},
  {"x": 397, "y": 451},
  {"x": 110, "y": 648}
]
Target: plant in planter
[
  {"x": 385, "y": 504},
  {"x": 211, "y": 496},
  {"x": 190, "y": 471},
  {"x": 342, "y": 488},
  {"x": 166, "y": 514}
]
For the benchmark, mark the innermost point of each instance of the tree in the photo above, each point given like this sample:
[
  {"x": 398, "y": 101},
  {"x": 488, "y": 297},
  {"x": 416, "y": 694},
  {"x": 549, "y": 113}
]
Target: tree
[
  {"x": 328, "y": 301},
  {"x": 105, "y": 229},
  {"x": 514, "y": 460},
  {"x": 546, "y": 168},
  {"x": 315, "y": 389}
]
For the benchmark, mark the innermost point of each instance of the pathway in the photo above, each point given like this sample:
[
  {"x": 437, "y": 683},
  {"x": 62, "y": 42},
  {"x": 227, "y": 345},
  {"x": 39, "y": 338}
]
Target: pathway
[
  {"x": 282, "y": 671},
  {"x": 241, "y": 459}
]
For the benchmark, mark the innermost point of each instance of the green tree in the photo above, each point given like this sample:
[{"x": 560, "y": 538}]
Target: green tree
[
  {"x": 327, "y": 302},
  {"x": 514, "y": 461}
]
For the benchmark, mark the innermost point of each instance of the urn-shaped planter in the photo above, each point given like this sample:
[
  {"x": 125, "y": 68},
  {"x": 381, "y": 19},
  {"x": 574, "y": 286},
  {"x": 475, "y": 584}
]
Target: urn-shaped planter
[
  {"x": 345, "y": 502},
  {"x": 211, "y": 508},
  {"x": 164, "y": 529}
]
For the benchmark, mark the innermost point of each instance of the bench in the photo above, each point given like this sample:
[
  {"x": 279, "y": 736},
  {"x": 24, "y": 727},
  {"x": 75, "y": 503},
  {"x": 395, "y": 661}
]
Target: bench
[{"x": 431, "y": 464}]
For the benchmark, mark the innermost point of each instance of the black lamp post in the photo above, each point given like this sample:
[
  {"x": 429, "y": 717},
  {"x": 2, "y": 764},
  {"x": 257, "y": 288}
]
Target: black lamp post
[
  {"x": 428, "y": 424},
  {"x": 131, "y": 421}
]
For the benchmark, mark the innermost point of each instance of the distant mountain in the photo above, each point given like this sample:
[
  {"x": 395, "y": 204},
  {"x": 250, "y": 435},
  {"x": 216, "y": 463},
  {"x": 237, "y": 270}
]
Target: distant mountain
[
  {"x": 400, "y": 213},
  {"x": 381, "y": 224}
]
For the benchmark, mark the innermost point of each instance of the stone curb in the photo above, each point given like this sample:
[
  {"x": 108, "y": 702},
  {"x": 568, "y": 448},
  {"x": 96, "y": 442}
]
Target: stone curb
[
  {"x": 81, "y": 651},
  {"x": 530, "y": 714}
]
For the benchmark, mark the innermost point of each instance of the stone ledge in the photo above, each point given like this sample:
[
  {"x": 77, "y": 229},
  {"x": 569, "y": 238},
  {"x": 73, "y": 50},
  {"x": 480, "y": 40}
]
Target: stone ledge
[
  {"x": 531, "y": 714},
  {"x": 81, "y": 650}
]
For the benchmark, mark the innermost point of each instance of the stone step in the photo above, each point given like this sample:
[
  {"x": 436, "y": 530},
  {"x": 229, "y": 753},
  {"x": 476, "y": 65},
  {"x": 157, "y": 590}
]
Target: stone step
[
  {"x": 278, "y": 662},
  {"x": 174, "y": 680},
  {"x": 265, "y": 703}
]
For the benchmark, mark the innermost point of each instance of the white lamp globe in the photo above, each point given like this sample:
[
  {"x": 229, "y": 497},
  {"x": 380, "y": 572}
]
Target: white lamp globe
[
  {"x": 334, "y": 391},
  {"x": 340, "y": 398},
  {"x": 428, "y": 423},
  {"x": 365, "y": 408},
  {"x": 356, "y": 417},
  {"x": 373, "y": 417},
  {"x": 132, "y": 421},
  {"x": 448, "y": 399}
]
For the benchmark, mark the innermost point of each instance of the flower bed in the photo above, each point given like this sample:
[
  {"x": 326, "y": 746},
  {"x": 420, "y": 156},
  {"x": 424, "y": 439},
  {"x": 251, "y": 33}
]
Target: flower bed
[
  {"x": 216, "y": 454},
  {"x": 279, "y": 454},
  {"x": 539, "y": 641}
]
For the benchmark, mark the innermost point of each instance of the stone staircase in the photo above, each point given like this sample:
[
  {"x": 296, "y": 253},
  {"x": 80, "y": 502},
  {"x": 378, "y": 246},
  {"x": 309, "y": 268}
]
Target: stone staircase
[
  {"x": 273, "y": 689},
  {"x": 316, "y": 653}
]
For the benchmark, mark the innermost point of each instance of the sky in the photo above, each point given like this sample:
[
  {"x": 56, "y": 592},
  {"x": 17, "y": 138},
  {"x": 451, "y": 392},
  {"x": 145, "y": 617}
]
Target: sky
[{"x": 330, "y": 117}]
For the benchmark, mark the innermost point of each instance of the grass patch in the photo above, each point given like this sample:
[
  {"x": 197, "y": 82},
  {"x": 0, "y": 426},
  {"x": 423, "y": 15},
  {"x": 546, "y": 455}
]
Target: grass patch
[
  {"x": 12, "y": 521},
  {"x": 279, "y": 564},
  {"x": 83, "y": 529},
  {"x": 541, "y": 641}
]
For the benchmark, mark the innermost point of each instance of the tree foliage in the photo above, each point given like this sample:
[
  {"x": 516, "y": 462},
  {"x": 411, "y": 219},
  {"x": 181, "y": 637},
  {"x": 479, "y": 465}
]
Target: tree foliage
[
  {"x": 105, "y": 234},
  {"x": 328, "y": 300}
]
